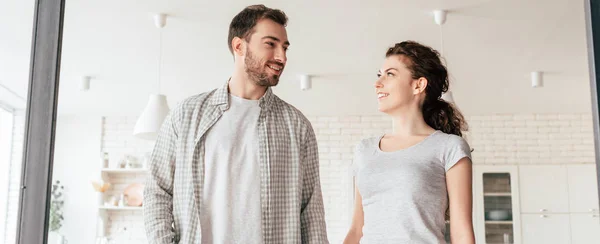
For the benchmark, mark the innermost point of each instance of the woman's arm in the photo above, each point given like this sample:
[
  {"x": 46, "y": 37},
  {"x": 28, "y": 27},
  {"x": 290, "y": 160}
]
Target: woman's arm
[
  {"x": 460, "y": 195},
  {"x": 355, "y": 233}
]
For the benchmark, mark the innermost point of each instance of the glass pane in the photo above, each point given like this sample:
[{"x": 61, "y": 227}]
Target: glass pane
[
  {"x": 16, "y": 23},
  {"x": 498, "y": 208},
  {"x": 496, "y": 183},
  {"x": 116, "y": 61}
]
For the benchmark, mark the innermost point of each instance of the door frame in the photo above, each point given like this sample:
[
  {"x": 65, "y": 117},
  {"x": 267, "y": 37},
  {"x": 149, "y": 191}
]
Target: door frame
[{"x": 40, "y": 122}]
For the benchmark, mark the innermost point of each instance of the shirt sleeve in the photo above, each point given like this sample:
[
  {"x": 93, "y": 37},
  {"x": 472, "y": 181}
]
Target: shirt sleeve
[
  {"x": 457, "y": 148},
  {"x": 312, "y": 216},
  {"x": 158, "y": 192}
]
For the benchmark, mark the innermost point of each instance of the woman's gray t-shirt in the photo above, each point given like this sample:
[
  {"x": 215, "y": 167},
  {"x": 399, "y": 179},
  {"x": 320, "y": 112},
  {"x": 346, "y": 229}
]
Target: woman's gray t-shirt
[{"x": 404, "y": 193}]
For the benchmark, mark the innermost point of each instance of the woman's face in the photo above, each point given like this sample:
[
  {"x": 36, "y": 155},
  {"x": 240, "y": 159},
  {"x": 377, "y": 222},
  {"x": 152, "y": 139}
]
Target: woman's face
[{"x": 395, "y": 88}]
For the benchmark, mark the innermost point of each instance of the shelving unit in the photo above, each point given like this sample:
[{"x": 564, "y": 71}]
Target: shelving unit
[
  {"x": 496, "y": 188},
  {"x": 124, "y": 171},
  {"x": 120, "y": 208},
  {"x": 499, "y": 222},
  {"x": 497, "y": 194},
  {"x": 106, "y": 173},
  {"x": 111, "y": 175}
]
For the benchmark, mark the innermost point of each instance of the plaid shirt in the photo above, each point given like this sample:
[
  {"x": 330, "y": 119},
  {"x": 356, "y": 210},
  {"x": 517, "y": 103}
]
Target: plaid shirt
[{"x": 291, "y": 200}]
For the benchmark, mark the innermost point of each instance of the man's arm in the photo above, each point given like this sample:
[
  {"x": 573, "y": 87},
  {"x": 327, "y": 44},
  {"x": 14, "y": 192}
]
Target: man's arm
[
  {"x": 158, "y": 191},
  {"x": 312, "y": 216}
]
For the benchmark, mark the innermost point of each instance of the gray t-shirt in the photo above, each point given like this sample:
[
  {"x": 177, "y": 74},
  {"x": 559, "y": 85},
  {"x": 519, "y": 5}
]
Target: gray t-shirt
[
  {"x": 231, "y": 211},
  {"x": 404, "y": 193}
]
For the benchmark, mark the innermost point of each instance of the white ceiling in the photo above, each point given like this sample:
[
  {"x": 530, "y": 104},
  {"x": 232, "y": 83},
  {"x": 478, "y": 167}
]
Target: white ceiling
[{"x": 490, "y": 48}]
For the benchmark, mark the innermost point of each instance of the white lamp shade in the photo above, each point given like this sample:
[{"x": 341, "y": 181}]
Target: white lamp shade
[
  {"x": 160, "y": 20},
  {"x": 149, "y": 122},
  {"x": 305, "y": 82},
  {"x": 85, "y": 83},
  {"x": 537, "y": 79},
  {"x": 439, "y": 16},
  {"x": 447, "y": 96}
]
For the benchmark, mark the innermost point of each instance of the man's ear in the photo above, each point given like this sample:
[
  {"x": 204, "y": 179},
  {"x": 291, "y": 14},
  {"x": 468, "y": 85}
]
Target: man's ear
[{"x": 238, "y": 45}]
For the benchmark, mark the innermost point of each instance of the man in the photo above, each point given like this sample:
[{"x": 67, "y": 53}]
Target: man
[{"x": 238, "y": 164}]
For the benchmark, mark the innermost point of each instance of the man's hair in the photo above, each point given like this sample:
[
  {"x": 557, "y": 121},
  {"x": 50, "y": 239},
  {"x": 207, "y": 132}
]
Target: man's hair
[{"x": 243, "y": 23}]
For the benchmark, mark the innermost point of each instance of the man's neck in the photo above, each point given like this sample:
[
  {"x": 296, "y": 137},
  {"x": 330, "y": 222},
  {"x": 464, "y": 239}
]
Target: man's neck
[{"x": 242, "y": 86}]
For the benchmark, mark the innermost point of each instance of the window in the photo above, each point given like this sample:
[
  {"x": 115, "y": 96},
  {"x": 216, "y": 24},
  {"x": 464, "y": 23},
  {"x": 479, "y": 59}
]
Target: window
[{"x": 6, "y": 142}]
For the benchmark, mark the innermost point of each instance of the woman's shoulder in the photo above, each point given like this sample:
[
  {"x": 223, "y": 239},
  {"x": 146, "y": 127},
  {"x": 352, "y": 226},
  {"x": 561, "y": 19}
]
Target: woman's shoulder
[{"x": 449, "y": 139}]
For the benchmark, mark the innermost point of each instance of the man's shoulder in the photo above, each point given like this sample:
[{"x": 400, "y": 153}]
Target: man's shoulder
[
  {"x": 192, "y": 103},
  {"x": 291, "y": 111}
]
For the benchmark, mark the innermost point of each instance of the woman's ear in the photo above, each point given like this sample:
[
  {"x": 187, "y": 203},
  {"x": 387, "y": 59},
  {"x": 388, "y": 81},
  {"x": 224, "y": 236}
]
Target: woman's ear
[{"x": 420, "y": 86}]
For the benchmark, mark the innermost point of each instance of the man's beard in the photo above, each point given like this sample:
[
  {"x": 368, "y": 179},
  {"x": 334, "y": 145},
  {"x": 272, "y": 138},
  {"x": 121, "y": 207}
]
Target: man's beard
[{"x": 257, "y": 73}]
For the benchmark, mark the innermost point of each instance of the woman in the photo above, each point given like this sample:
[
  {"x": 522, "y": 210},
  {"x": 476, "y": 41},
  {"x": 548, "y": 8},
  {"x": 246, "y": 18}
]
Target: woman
[{"x": 407, "y": 181}]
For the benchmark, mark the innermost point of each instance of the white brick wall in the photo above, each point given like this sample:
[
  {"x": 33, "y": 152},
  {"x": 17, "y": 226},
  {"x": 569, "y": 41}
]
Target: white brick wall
[
  {"x": 117, "y": 141},
  {"x": 497, "y": 139},
  {"x": 15, "y": 177},
  {"x": 532, "y": 139},
  {"x": 117, "y": 137}
]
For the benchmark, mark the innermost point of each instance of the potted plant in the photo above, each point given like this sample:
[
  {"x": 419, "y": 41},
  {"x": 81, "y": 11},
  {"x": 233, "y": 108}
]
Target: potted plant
[{"x": 56, "y": 214}]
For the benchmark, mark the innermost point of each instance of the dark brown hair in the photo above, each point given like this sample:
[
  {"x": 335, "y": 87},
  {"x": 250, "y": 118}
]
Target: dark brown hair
[
  {"x": 424, "y": 61},
  {"x": 242, "y": 25}
]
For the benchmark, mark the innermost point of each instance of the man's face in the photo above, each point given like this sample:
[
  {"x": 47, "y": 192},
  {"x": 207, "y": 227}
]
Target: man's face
[{"x": 265, "y": 55}]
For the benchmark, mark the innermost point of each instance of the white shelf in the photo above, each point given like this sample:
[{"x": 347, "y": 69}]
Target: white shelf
[
  {"x": 500, "y": 222},
  {"x": 124, "y": 171},
  {"x": 120, "y": 208},
  {"x": 497, "y": 194}
]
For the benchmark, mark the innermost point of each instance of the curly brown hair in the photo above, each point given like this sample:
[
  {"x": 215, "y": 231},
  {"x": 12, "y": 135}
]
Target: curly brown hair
[{"x": 424, "y": 61}]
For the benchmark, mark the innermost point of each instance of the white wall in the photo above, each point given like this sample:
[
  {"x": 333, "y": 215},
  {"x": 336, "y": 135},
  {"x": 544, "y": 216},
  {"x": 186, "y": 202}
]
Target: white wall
[
  {"x": 532, "y": 139},
  {"x": 342, "y": 43},
  {"x": 76, "y": 164}
]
